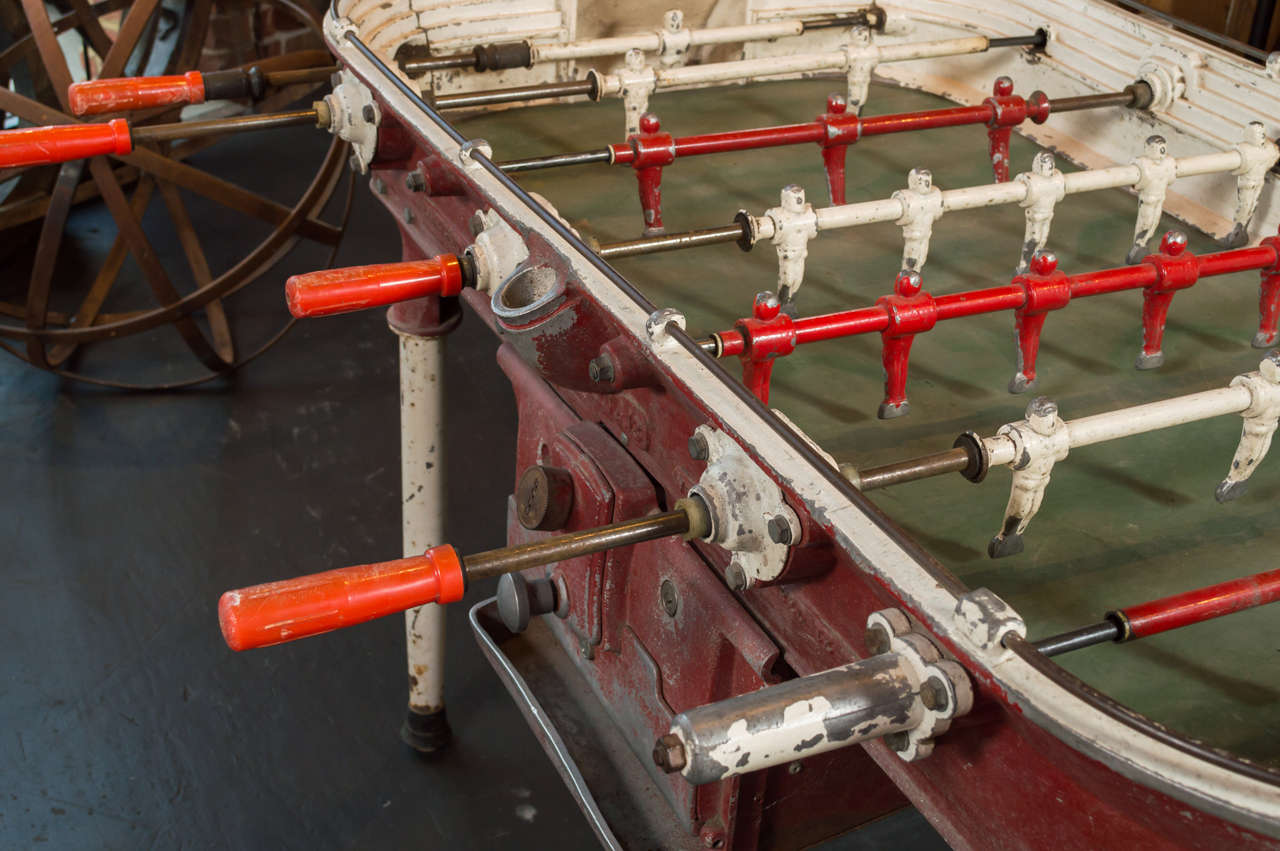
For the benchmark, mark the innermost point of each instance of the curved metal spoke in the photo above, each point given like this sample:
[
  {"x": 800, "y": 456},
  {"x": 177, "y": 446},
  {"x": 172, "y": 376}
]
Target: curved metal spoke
[
  {"x": 91, "y": 306},
  {"x": 135, "y": 23},
  {"x": 217, "y": 315},
  {"x": 46, "y": 257}
]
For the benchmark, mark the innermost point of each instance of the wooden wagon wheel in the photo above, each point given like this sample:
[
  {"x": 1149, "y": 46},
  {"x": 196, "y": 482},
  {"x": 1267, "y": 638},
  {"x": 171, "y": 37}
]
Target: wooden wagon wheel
[{"x": 50, "y": 337}]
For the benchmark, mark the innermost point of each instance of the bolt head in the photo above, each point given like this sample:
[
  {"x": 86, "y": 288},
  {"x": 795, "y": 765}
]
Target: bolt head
[
  {"x": 367, "y": 113},
  {"x": 415, "y": 181},
  {"x": 736, "y": 577},
  {"x": 668, "y": 753},
  {"x": 779, "y": 530},
  {"x": 898, "y": 742},
  {"x": 698, "y": 450},
  {"x": 877, "y": 640},
  {"x": 933, "y": 694},
  {"x": 795, "y": 768},
  {"x": 600, "y": 369},
  {"x": 408, "y": 216},
  {"x": 670, "y": 600},
  {"x": 379, "y": 185}
]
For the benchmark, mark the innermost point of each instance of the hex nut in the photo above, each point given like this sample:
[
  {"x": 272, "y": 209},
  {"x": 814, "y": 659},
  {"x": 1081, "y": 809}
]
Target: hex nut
[
  {"x": 670, "y": 599},
  {"x": 933, "y": 694},
  {"x": 779, "y": 530},
  {"x": 877, "y": 640},
  {"x": 668, "y": 753}
]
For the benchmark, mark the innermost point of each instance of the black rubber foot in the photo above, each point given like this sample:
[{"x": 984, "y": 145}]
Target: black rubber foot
[
  {"x": 426, "y": 733},
  {"x": 1004, "y": 546},
  {"x": 1228, "y": 491}
]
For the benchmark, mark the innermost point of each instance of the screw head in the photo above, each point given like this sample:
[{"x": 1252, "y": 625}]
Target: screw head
[
  {"x": 698, "y": 450},
  {"x": 668, "y": 753},
  {"x": 379, "y": 185},
  {"x": 736, "y": 577},
  {"x": 795, "y": 768},
  {"x": 877, "y": 640},
  {"x": 933, "y": 694},
  {"x": 367, "y": 113},
  {"x": 779, "y": 530},
  {"x": 670, "y": 600},
  {"x": 408, "y": 216},
  {"x": 415, "y": 181}
]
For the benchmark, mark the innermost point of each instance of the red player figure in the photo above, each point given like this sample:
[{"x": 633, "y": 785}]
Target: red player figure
[
  {"x": 1176, "y": 269},
  {"x": 1046, "y": 289},
  {"x": 910, "y": 312}
]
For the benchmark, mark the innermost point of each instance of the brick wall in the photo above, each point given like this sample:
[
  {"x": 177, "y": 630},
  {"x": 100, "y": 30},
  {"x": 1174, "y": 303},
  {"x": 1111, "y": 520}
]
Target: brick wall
[{"x": 241, "y": 31}]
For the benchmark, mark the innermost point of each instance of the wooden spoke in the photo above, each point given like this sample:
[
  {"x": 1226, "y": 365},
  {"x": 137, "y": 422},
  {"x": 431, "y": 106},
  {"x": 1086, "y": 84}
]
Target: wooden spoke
[{"x": 91, "y": 307}]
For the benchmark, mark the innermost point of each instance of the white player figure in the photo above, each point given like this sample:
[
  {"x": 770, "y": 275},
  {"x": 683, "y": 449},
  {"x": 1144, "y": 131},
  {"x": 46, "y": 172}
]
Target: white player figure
[
  {"x": 1041, "y": 440},
  {"x": 794, "y": 225},
  {"x": 1157, "y": 170},
  {"x": 638, "y": 82},
  {"x": 921, "y": 206},
  {"x": 1260, "y": 420},
  {"x": 1257, "y": 155},
  {"x": 863, "y": 56},
  {"x": 674, "y": 39},
  {"x": 1045, "y": 188}
]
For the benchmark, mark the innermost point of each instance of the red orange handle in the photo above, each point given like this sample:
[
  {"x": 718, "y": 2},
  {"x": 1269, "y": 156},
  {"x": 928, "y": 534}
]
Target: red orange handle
[
  {"x": 358, "y": 287},
  {"x": 117, "y": 94},
  {"x": 1202, "y": 604},
  {"x": 277, "y": 612},
  {"x": 63, "y": 142}
]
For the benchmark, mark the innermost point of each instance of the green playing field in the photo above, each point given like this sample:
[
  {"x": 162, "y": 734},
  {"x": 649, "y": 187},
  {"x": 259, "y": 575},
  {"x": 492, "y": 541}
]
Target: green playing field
[{"x": 1122, "y": 522}]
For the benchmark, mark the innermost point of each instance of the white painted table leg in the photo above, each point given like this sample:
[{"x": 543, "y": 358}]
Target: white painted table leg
[{"x": 422, "y": 510}]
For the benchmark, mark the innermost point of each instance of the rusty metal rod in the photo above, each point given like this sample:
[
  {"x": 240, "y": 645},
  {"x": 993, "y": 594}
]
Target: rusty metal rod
[
  {"x": 438, "y": 63},
  {"x": 214, "y": 126},
  {"x": 574, "y": 544},
  {"x": 924, "y": 467},
  {"x": 300, "y": 75},
  {"x": 604, "y": 155},
  {"x": 671, "y": 242},
  {"x": 538, "y": 91},
  {"x": 1137, "y": 95}
]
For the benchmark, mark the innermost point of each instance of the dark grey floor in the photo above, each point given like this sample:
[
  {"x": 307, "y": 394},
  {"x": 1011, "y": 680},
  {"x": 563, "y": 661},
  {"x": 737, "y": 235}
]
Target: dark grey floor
[{"x": 124, "y": 721}]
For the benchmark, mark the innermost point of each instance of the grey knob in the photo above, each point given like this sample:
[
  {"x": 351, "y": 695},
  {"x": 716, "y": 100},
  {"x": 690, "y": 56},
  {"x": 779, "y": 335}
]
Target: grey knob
[{"x": 520, "y": 599}]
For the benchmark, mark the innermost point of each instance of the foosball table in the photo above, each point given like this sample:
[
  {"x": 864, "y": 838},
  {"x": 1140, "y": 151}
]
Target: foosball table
[{"x": 789, "y": 547}]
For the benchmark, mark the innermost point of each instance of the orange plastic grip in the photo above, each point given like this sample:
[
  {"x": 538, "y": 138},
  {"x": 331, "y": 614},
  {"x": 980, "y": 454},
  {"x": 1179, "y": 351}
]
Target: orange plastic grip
[
  {"x": 277, "y": 612},
  {"x": 63, "y": 142},
  {"x": 117, "y": 94},
  {"x": 357, "y": 287}
]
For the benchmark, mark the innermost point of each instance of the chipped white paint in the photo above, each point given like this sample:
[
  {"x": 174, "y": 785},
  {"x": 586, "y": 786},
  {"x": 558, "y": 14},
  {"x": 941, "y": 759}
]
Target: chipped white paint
[
  {"x": 1071, "y": 69},
  {"x": 354, "y": 116},
  {"x": 741, "y": 500},
  {"x": 801, "y": 721},
  {"x": 793, "y": 224},
  {"x": 921, "y": 205},
  {"x": 497, "y": 249},
  {"x": 916, "y": 652},
  {"x": 1260, "y": 420},
  {"x": 422, "y": 487}
]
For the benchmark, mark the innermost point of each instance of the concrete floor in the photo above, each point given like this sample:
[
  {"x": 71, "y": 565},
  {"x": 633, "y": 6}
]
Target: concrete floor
[{"x": 126, "y": 721}]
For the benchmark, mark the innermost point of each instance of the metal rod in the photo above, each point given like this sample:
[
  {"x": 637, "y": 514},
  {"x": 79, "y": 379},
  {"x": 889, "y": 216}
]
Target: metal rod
[
  {"x": 300, "y": 75},
  {"x": 214, "y": 126},
  {"x": 438, "y": 63},
  {"x": 1076, "y": 639},
  {"x": 534, "y": 163},
  {"x": 1039, "y": 38},
  {"x": 1072, "y": 104},
  {"x": 924, "y": 467},
  {"x": 671, "y": 242},
  {"x": 1167, "y": 613},
  {"x": 538, "y": 91},
  {"x": 574, "y": 544}
]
